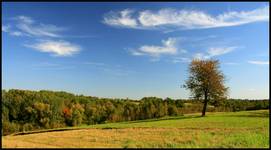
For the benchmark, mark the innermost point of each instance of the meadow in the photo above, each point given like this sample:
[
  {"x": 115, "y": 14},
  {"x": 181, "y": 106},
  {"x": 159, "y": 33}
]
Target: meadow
[{"x": 243, "y": 129}]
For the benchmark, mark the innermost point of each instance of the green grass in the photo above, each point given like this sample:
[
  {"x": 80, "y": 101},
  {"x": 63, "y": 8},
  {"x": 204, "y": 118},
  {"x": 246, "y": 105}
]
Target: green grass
[
  {"x": 220, "y": 129},
  {"x": 241, "y": 119}
]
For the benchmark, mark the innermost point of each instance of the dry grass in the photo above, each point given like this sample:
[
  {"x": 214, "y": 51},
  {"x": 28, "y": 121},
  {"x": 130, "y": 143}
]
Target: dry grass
[
  {"x": 250, "y": 135},
  {"x": 130, "y": 137}
]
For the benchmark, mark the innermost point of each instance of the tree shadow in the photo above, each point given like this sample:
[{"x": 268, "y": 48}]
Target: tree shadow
[
  {"x": 252, "y": 114},
  {"x": 42, "y": 131},
  {"x": 160, "y": 119}
]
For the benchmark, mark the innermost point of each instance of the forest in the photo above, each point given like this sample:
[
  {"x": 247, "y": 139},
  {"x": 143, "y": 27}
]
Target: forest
[{"x": 25, "y": 110}]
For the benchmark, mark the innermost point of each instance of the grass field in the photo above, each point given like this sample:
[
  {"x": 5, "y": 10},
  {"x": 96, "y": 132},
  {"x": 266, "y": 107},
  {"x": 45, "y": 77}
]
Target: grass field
[{"x": 216, "y": 130}]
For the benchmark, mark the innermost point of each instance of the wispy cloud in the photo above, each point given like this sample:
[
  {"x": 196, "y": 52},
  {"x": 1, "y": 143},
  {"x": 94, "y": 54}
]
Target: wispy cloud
[
  {"x": 181, "y": 60},
  {"x": 122, "y": 18},
  {"x": 168, "y": 47},
  {"x": 5, "y": 28},
  {"x": 16, "y": 33},
  {"x": 256, "y": 62},
  {"x": 24, "y": 19},
  {"x": 201, "y": 56},
  {"x": 57, "y": 48},
  {"x": 48, "y": 35},
  {"x": 214, "y": 51},
  {"x": 174, "y": 49},
  {"x": 28, "y": 26},
  {"x": 112, "y": 70},
  {"x": 45, "y": 64},
  {"x": 94, "y": 63},
  {"x": 116, "y": 70},
  {"x": 231, "y": 63},
  {"x": 51, "y": 66},
  {"x": 183, "y": 19}
]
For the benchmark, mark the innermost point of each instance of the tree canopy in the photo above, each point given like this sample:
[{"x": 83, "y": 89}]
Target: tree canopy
[
  {"x": 206, "y": 82},
  {"x": 24, "y": 110}
]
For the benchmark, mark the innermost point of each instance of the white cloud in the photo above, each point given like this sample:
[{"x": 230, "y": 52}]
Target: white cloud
[
  {"x": 58, "y": 48},
  {"x": 5, "y": 28},
  {"x": 230, "y": 63},
  {"x": 94, "y": 63},
  {"x": 181, "y": 60},
  {"x": 24, "y": 19},
  {"x": 28, "y": 26},
  {"x": 136, "y": 53},
  {"x": 16, "y": 33},
  {"x": 51, "y": 66},
  {"x": 122, "y": 18},
  {"x": 214, "y": 51},
  {"x": 183, "y": 19},
  {"x": 168, "y": 47},
  {"x": 39, "y": 30},
  {"x": 46, "y": 64},
  {"x": 116, "y": 70},
  {"x": 259, "y": 62},
  {"x": 201, "y": 56}
]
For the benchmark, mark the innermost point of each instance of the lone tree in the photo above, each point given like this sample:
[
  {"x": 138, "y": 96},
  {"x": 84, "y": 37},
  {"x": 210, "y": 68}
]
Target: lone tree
[{"x": 206, "y": 82}]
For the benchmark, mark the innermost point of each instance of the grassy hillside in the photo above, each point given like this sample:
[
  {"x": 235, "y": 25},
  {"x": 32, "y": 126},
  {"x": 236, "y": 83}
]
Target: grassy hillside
[{"x": 231, "y": 129}]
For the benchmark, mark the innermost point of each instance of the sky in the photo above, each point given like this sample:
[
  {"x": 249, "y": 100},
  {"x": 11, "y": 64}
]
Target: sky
[{"x": 133, "y": 50}]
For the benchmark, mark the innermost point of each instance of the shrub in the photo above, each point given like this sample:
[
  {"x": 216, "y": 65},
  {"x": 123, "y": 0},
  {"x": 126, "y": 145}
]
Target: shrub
[
  {"x": 10, "y": 127},
  {"x": 27, "y": 127}
]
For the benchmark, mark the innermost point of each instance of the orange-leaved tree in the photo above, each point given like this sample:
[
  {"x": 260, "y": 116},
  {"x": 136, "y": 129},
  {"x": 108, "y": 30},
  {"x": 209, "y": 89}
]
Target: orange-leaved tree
[{"x": 206, "y": 82}]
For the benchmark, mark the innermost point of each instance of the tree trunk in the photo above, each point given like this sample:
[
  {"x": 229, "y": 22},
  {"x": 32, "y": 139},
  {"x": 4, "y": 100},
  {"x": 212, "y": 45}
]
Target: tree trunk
[{"x": 205, "y": 104}]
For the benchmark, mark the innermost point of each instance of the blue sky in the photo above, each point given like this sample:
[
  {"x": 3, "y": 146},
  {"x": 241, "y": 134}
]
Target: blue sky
[{"x": 133, "y": 50}]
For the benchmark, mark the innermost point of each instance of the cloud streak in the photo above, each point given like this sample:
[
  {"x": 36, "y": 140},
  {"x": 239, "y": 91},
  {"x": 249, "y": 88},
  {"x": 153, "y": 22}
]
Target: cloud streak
[
  {"x": 219, "y": 51},
  {"x": 256, "y": 62},
  {"x": 231, "y": 63},
  {"x": 122, "y": 18},
  {"x": 48, "y": 35},
  {"x": 115, "y": 70},
  {"x": 57, "y": 48},
  {"x": 7, "y": 29},
  {"x": 51, "y": 66},
  {"x": 168, "y": 47},
  {"x": 181, "y": 60},
  {"x": 29, "y": 27},
  {"x": 168, "y": 18},
  {"x": 214, "y": 51}
]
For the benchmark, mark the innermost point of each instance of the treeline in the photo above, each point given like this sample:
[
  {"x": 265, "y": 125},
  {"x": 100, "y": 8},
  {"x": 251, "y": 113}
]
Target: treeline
[
  {"x": 24, "y": 110},
  {"x": 229, "y": 105}
]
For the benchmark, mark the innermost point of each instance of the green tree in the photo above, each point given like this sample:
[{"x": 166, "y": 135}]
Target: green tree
[
  {"x": 206, "y": 82},
  {"x": 43, "y": 113},
  {"x": 172, "y": 110},
  {"x": 77, "y": 114}
]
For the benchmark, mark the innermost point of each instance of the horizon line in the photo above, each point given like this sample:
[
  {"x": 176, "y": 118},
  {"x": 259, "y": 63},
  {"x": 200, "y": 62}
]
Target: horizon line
[{"x": 100, "y": 97}]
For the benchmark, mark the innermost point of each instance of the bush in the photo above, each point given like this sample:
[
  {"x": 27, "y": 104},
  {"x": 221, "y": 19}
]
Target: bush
[
  {"x": 27, "y": 127},
  {"x": 172, "y": 110},
  {"x": 10, "y": 127},
  {"x": 57, "y": 125}
]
